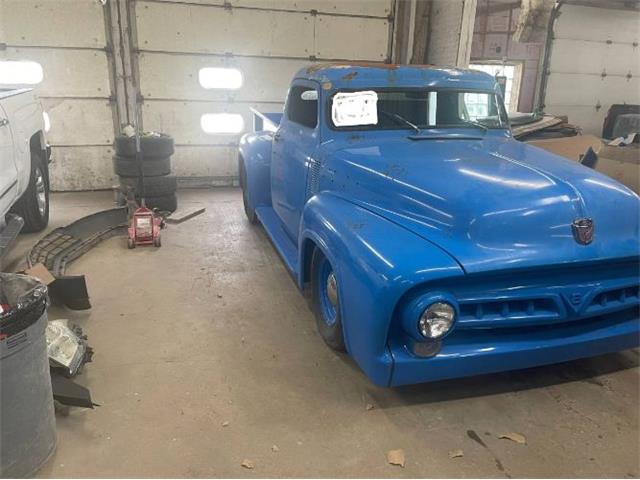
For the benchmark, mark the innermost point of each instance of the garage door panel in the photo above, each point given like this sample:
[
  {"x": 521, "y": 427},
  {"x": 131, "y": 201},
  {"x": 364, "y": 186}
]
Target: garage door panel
[
  {"x": 214, "y": 163},
  {"x": 577, "y": 56},
  {"x": 375, "y": 8},
  {"x": 595, "y": 24},
  {"x": 176, "y": 77},
  {"x": 79, "y": 121},
  {"x": 81, "y": 73},
  {"x": 182, "y": 120},
  {"x": 74, "y": 23},
  {"x": 351, "y": 38},
  {"x": 566, "y": 89},
  {"x": 81, "y": 168},
  {"x": 197, "y": 29}
]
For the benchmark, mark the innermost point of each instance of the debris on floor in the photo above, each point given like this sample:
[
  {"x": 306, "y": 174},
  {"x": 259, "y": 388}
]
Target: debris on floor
[
  {"x": 530, "y": 126},
  {"x": 456, "y": 453},
  {"x": 616, "y": 159},
  {"x": 67, "y": 392},
  {"x": 65, "y": 244},
  {"x": 369, "y": 406},
  {"x": 274, "y": 448},
  {"x": 67, "y": 347},
  {"x": 248, "y": 464},
  {"x": 514, "y": 437},
  {"x": 181, "y": 215},
  {"x": 396, "y": 457}
]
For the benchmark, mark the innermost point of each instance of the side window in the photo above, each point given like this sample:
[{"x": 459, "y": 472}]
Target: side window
[{"x": 302, "y": 106}]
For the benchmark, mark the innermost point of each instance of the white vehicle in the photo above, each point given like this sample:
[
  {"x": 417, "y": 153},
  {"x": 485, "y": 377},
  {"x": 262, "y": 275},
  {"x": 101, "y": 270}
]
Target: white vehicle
[{"x": 24, "y": 158}]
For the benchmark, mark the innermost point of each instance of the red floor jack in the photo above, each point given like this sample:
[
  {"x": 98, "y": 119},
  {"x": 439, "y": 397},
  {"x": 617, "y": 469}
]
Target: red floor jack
[
  {"x": 145, "y": 225},
  {"x": 144, "y": 228}
]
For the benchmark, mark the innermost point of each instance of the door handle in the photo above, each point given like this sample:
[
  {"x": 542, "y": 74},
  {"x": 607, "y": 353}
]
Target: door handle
[
  {"x": 276, "y": 137},
  {"x": 3, "y": 122}
]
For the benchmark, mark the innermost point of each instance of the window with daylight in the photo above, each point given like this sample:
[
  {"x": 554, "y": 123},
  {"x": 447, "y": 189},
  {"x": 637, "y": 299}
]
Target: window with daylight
[
  {"x": 511, "y": 73},
  {"x": 14, "y": 72},
  {"x": 302, "y": 106},
  {"x": 220, "y": 78},
  {"x": 222, "y": 123}
]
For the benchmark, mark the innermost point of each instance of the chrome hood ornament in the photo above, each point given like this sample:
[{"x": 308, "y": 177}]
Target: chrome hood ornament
[{"x": 583, "y": 230}]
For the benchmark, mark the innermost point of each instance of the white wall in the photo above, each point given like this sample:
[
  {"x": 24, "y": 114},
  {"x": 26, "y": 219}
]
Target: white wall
[
  {"x": 68, "y": 39},
  {"x": 594, "y": 63}
]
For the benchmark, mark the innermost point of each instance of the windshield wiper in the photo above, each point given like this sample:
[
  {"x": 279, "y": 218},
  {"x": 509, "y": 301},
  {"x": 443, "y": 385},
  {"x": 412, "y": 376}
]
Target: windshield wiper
[
  {"x": 402, "y": 120},
  {"x": 471, "y": 123}
]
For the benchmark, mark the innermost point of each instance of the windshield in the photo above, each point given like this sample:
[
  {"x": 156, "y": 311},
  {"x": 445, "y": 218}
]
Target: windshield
[{"x": 423, "y": 109}]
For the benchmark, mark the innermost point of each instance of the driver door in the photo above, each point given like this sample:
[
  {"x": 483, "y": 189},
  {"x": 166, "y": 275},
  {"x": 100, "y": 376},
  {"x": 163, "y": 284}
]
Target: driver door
[{"x": 294, "y": 145}]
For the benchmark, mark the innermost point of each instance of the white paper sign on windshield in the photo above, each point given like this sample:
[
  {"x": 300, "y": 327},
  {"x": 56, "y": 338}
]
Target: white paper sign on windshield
[{"x": 350, "y": 109}]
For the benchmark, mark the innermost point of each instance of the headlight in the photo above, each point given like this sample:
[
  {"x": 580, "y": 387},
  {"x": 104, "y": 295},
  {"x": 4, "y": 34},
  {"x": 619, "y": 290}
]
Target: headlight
[{"x": 436, "y": 320}]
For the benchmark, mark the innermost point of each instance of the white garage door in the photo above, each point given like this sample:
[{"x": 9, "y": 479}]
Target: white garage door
[
  {"x": 594, "y": 63},
  {"x": 266, "y": 40},
  {"x": 95, "y": 67},
  {"x": 68, "y": 39}
]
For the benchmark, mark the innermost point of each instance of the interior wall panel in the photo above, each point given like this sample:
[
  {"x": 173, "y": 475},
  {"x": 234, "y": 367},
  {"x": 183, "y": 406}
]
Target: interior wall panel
[
  {"x": 267, "y": 40},
  {"x": 199, "y": 29},
  {"x": 71, "y": 23},
  {"x": 69, "y": 73},
  {"x": 68, "y": 39},
  {"x": 264, "y": 79},
  {"x": 373, "y": 8},
  {"x": 594, "y": 63}
]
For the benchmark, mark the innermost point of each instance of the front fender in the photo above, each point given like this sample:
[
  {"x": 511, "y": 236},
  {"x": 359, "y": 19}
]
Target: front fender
[
  {"x": 255, "y": 153},
  {"x": 376, "y": 262}
]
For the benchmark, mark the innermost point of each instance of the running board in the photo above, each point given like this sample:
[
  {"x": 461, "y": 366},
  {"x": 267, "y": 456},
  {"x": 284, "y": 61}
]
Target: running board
[
  {"x": 9, "y": 233},
  {"x": 284, "y": 246}
]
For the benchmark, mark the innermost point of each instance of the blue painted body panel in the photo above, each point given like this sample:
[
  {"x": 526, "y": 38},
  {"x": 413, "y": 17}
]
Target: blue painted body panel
[{"x": 464, "y": 214}]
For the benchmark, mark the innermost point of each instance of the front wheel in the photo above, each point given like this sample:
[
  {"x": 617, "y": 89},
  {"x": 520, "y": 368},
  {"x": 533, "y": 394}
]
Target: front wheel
[
  {"x": 326, "y": 301},
  {"x": 33, "y": 206},
  {"x": 248, "y": 210}
]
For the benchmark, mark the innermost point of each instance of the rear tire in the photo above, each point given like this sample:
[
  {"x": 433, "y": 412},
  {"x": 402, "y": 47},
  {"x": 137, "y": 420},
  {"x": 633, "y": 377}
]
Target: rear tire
[
  {"x": 326, "y": 301},
  {"x": 151, "y": 167},
  {"x": 33, "y": 206},
  {"x": 163, "y": 203},
  {"x": 248, "y": 210},
  {"x": 150, "y": 146}
]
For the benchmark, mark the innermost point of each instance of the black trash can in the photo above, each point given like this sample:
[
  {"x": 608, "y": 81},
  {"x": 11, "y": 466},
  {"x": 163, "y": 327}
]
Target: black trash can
[{"x": 27, "y": 419}]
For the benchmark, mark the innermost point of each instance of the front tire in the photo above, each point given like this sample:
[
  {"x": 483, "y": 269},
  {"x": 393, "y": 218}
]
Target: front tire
[
  {"x": 326, "y": 301},
  {"x": 248, "y": 210},
  {"x": 33, "y": 206}
]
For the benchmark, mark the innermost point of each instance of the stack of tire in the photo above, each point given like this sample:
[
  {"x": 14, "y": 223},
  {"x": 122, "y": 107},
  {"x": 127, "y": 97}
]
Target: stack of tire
[{"x": 158, "y": 186}]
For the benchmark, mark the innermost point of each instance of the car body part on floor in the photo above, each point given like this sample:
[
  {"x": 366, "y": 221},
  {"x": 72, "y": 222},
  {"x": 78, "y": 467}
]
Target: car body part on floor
[
  {"x": 67, "y": 392},
  {"x": 182, "y": 216},
  {"x": 67, "y": 347},
  {"x": 448, "y": 247},
  {"x": 530, "y": 126},
  {"x": 64, "y": 244},
  {"x": 28, "y": 433}
]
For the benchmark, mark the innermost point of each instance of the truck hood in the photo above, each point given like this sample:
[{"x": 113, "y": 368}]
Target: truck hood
[{"x": 490, "y": 203}]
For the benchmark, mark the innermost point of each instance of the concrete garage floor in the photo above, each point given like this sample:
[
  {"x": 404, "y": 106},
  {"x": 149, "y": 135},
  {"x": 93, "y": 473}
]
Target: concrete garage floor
[{"x": 210, "y": 329}]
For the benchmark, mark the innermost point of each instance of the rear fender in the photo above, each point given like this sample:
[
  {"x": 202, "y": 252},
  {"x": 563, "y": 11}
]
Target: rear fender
[
  {"x": 376, "y": 262},
  {"x": 255, "y": 154}
]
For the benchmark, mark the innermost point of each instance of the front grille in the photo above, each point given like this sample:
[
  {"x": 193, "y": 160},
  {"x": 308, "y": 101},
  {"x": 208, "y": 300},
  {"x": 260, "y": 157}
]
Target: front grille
[
  {"x": 484, "y": 314},
  {"x": 546, "y": 296},
  {"x": 618, "y": 298}
]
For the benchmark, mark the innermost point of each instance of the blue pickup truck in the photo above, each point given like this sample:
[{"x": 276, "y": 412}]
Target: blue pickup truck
[{"x": 434, "y": 244}]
